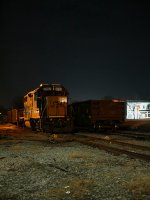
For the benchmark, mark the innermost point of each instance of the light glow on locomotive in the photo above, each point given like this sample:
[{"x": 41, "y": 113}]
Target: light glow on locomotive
[{"x": 62, "y": 99}]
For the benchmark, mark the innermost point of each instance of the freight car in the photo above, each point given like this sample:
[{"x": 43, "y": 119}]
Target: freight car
[
  {"x": 45, "y": 108},
  {"x": 97, "y": 115},
  {"x": 14, "y": 116}
]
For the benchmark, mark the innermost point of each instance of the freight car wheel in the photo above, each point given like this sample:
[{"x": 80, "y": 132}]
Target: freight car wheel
[
  {"x": 115, "y": 125},
  {"x": 21, "y": 123},
  {"x": 98, "y": 127},
  {"x": 38, "y": 125},
  {"x": 33, "y": 128},
  {"x": 33, "y": 124}
]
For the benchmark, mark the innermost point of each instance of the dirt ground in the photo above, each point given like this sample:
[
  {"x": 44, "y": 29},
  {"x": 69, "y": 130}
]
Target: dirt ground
[{"x": 34, "y": 166}]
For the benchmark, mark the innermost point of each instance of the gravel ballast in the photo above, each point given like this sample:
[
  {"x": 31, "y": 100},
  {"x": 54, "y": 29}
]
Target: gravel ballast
[{"x": 68, "y": 170}]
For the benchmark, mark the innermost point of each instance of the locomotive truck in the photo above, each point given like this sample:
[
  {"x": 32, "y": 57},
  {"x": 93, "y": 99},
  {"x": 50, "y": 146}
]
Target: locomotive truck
[{"x": 45, "y": 109}]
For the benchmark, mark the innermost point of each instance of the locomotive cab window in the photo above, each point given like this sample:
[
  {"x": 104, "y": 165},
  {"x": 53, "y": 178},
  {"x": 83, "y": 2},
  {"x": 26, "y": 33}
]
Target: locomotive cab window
[
  {"x": 47, "y": 89},
  {"x": 57, "y": 88}
]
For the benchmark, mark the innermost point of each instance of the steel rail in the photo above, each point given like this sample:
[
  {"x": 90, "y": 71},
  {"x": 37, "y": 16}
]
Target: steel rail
[
  {"x": 113, "y": 150},
  {"x": 114, "y": 141}
]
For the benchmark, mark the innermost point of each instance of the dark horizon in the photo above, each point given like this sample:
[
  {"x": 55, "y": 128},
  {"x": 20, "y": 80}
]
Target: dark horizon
[{"x": 95, "y": 49}]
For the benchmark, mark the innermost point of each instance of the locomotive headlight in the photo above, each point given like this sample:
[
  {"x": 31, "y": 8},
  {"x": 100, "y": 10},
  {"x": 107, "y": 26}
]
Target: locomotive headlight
[{"x": 62, "y": 99}]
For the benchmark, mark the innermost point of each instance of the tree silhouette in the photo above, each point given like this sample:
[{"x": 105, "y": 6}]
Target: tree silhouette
[
  {"x": 3, "y": 110},
  {"x": 17, "y": 102}
]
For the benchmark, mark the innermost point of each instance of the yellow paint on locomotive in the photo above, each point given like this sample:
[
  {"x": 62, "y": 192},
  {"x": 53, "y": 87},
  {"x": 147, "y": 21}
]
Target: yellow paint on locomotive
[
  {"x": 30, "y": 106},
  {"x": 56, "y": 106}
]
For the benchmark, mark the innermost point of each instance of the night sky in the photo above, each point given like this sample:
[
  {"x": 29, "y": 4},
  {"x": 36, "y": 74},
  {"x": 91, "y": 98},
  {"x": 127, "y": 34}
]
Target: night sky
[{"x": 95, "y": 48}]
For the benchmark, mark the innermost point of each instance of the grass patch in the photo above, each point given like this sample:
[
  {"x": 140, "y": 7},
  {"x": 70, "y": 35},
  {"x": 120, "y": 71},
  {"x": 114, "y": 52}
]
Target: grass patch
[
  {"x": 77, "y": 155},
  {"x": 76, "y": 188},
  {"x": 140, "y": 186}
]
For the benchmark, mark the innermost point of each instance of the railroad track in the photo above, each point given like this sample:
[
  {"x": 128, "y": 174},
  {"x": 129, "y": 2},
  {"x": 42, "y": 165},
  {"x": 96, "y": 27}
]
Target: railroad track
[
  {"x": 104, "y": 144},
  {"x": 134, "y": 135}
]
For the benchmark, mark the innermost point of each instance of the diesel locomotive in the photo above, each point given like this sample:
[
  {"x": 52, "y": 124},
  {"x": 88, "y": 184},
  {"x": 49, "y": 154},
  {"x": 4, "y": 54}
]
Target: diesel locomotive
[{"x": 45, "y": 109}]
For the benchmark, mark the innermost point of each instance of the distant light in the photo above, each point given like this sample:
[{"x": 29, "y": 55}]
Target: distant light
[
  {"x": 43, "y": 84},
  {"x": 117, "y": 100}
]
